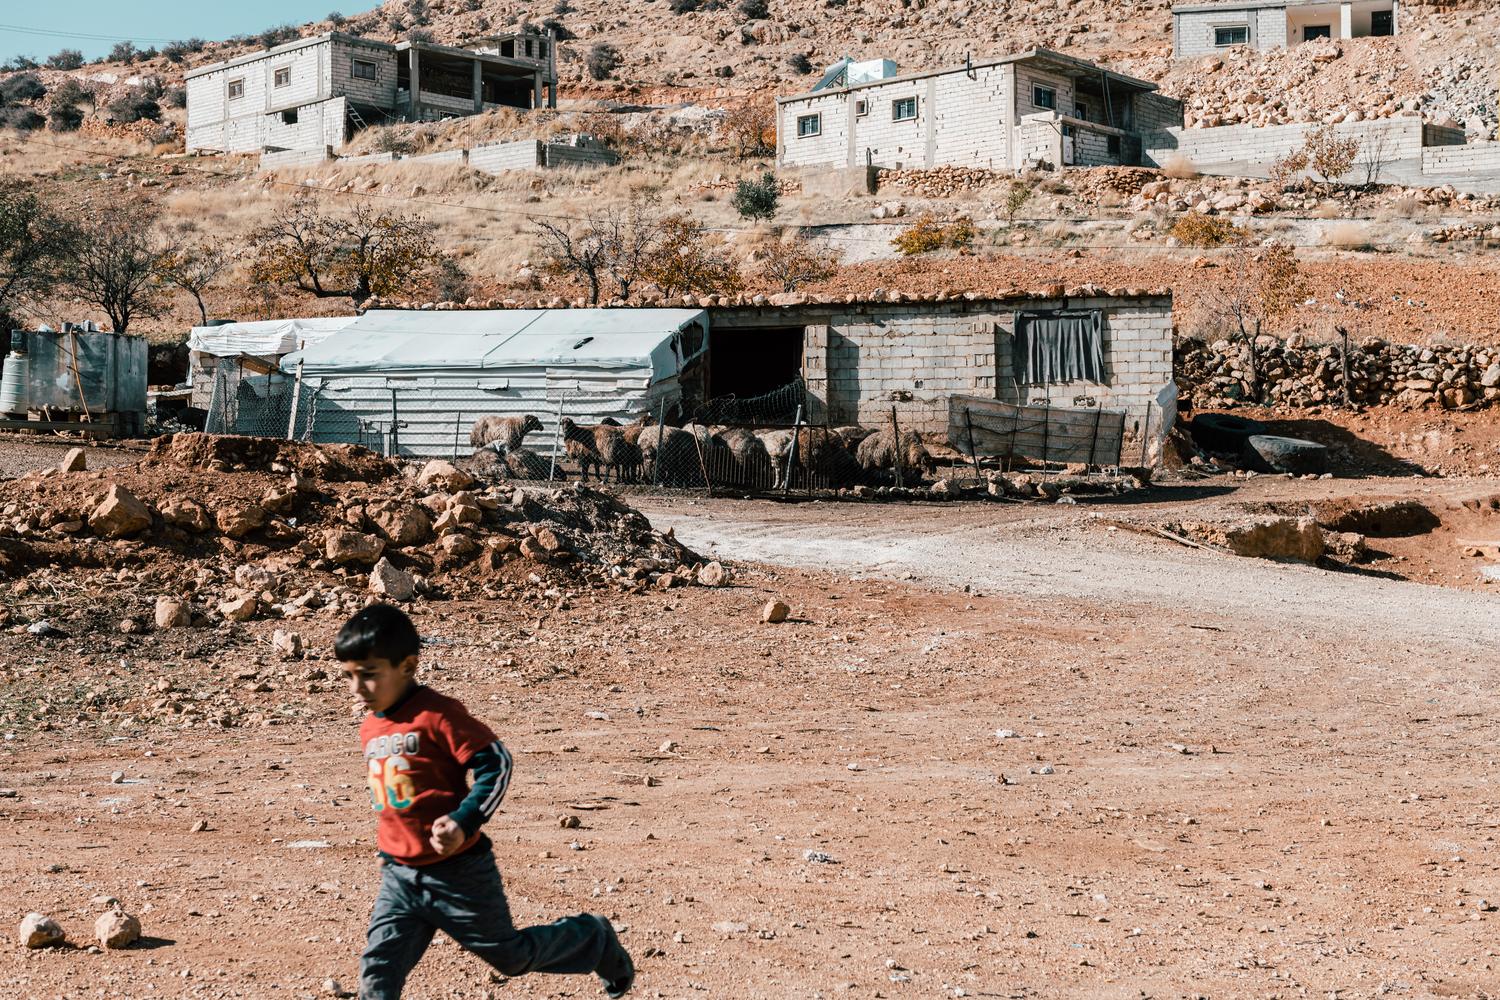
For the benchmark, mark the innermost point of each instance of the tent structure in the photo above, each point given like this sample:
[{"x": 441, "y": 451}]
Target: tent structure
[
  {"x": 414, "y": 382},
  {"x": 265, "y": 340}
]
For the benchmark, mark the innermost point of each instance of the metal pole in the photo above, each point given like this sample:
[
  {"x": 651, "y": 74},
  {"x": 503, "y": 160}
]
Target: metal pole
[
  {"x": 556, "y": 437},
  {"x": 973, "y": 455},
  {"x": 291, "y": 424},
  {"x": 661, "y": 437},
  {"x": 896, "y": 454},
  {"x": 1046, "y": 432},
  {"x": 791, "y": 453},
  {"x": 458, "y": 419},
  {"x": 395, "y": 439}
]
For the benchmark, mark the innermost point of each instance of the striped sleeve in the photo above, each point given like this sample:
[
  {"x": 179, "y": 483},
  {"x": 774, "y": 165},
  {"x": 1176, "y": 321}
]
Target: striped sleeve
[{"x": 491, "y": 768}]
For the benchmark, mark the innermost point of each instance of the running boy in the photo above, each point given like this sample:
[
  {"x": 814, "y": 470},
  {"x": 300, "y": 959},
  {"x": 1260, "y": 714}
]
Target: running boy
[{"x": 438, "y": 872}]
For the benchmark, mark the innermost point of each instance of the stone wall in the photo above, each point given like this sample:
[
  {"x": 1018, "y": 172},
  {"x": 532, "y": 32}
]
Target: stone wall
[
  {"x": 1477, "y": 157},
  {"x": 1294, "y": 373},
  {"x": 1250, "y": 144}
]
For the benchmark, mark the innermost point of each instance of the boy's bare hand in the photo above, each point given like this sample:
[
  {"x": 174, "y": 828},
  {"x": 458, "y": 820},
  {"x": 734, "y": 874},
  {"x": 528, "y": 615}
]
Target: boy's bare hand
[{"x": 447, "y": 836}]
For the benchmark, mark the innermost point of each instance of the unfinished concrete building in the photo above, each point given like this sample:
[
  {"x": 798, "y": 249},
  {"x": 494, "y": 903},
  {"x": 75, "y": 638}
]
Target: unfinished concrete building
[
  {"x": 1201, "y": 28},
  {"x": 1036, "y": 107},
  {"x": 315, "y": 92}
]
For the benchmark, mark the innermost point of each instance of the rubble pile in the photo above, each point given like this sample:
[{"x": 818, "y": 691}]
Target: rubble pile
[
  {"x": 1097, "y": 184},
  {"x": 1293, "y": 373}
]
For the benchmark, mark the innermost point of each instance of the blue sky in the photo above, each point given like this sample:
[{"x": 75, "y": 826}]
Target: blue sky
[{"x": 68, "y": 23}]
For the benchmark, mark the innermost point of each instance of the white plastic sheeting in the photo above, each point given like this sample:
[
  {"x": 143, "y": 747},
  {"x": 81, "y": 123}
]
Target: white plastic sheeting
[
  {"x": 265, "y": 338},
  {"x": 421, "y": 378}
]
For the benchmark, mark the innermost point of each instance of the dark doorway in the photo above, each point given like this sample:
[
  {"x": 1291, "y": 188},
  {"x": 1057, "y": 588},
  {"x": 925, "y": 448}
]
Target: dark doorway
[
  {"x": 1382, "y": 23},
  {"x": 1313, "y": 32},
  {"x": 746, "y": 363}
]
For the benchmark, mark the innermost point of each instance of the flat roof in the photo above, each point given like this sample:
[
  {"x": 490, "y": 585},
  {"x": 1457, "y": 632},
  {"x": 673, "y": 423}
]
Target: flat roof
[
  {"x": 1232, "y": 5},
  {"x": 1065, "y": 62},
  {"x": 286, "y": 47}
]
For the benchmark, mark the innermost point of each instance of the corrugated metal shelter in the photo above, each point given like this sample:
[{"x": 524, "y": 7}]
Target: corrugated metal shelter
[{"x": 415, "y": 382}]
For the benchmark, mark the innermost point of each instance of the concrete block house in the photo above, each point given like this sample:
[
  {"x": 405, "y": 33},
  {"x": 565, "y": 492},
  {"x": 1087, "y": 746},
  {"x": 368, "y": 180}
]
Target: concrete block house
[
  {"x": 1036, "y": 107},
  {"x": 312, "y": 93},
  {"x": 1201, "y": 28}
]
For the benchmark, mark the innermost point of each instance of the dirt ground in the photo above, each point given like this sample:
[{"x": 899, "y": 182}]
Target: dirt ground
[{"x": 1220, "y": 777}]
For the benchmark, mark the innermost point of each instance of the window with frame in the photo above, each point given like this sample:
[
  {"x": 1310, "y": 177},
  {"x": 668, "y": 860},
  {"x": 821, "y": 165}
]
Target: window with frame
[
  {"x": 289, "y": 116},
  {"x": 1043, "y": 97},
  {"x": 1238, "y": 34},
  {"x": 363, "y": 69},
  {"x": 903, "y": 109},
  {"x": 808, "y": 125},
  {"x": 1313, "y": 32},
  {"x": 861, "y": 108},
  {"x": 283, "y": 77},
  {"x": 236, "y": 89},
  {"x": 1080, "y": 110}
]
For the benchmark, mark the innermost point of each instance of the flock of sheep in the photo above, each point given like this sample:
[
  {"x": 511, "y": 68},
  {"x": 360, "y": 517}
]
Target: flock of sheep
[{"x": 648, "y": 453}]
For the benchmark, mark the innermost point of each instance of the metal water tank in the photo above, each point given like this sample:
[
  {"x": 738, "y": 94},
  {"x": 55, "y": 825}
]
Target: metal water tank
[{"x": 15, "y": 376}]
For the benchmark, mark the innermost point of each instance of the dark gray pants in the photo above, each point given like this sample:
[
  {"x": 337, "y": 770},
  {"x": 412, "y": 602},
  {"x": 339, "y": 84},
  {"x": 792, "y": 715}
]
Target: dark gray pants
[{"x": 463, "y": 898}]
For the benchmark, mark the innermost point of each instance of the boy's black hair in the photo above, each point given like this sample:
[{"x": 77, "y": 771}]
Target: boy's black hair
[{"x": 380, "y": 631}]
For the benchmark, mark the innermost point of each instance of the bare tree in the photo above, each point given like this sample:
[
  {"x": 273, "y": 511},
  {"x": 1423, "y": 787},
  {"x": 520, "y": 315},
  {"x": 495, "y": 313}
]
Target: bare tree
[
  {"x": 631, "y": 239},
  {"x": 367, "y": 251},
  {"x": 117, "y": 262},
  {"x": 583, "y": 254},
  {"x": 35, "y": 242},
  {"x": 797, "y": 260},
  {"x": 1375, "y": 155},
  {"x": 1261, "y": 284},
  {"x": 195, "y": 265}
]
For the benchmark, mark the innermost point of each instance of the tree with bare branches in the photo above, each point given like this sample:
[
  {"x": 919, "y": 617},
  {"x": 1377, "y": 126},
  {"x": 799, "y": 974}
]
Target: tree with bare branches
[
  {"x": 367, "y": 251},
  {"x": 581, "y": 252},
  {"x": 750, "y": 127},
  {"x": 117, "y": 262},
  {"x": 1331, "y": 156},
  {"x": 796, "y": 260},
  {"x": 194, "y": 266},
  {"x": 36, "y": 240},
  {"x": 1262, "y": 283}
]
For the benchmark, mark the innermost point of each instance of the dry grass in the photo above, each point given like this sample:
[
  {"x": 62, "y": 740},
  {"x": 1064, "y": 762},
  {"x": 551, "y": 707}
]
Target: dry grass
[
  {"x": 1348, "y": 236},
  {"x": 1059, "y": 232},
  {"x": 1179, "y": 168},
  {"x": 1328, "y": 210}
]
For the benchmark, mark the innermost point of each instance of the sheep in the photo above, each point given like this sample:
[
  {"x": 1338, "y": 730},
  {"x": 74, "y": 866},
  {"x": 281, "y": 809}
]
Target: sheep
[
  {"x": 880, "y": 451},
  {"x": 752, "y": 462},
  {"x": 523, "y": 463},
  {"x": 615, "y": 451},
  {"x": 579, "y": 443},
  {"x": 821, "y": 454},
  {"x": 509, "y": 431},
  {"x": 672, "y": 454}
]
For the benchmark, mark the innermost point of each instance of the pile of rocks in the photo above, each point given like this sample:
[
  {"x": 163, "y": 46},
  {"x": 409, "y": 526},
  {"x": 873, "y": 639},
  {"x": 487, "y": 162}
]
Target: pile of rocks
[
  {"x": 1215, "y": 197},
  {"x": 1293, "y": 373},
  {"x": 1094, "y": 184},
  {"x": 940, "y": 182},
  {"x": 1470, "y": 233}
]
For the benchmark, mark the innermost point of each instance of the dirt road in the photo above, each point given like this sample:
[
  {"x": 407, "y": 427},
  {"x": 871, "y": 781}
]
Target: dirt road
[{"x": 1121, "y": 769}]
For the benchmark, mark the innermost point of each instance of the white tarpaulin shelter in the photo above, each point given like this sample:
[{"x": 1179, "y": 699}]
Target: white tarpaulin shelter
[
  {"x": 423, "y": 377},
  {"x": 269, "y": 339}
]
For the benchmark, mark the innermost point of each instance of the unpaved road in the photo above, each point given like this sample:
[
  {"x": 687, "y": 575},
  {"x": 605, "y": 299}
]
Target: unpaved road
[
  {"x": 1078, "y": 552},
  {"x": 1205, "y": 791}
]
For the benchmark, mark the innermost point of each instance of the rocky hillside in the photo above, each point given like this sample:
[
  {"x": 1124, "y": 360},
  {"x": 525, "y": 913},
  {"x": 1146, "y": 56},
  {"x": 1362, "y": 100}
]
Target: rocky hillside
[{"x": 1444, "y": 64}]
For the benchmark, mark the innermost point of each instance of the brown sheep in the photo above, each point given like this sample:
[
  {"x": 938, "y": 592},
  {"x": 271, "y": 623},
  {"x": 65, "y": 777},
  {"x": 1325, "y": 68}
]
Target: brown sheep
[
  {"x": 880, "y": 451},
  {"x": 752, "y": 462},
  {"x": 672, "y": 456},
  {"x": 615, "y": 451},
  {"x": 579, "y": 443},
  {"x": 508, "y": 431},
  {"x": 523, "y": 463}
]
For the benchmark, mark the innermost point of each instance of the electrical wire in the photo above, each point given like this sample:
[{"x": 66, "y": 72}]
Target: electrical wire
[
  {"x": 87, "y": 36},
  {"x": 726, "y": 230}
]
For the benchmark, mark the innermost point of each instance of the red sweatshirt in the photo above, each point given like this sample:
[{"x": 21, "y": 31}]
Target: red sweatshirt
[{"x": 417, "y": 753}]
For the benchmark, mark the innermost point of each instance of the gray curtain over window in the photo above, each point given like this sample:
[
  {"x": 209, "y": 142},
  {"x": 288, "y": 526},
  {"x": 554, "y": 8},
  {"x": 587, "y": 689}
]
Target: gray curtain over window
[{"x": 1059, "y": 347}]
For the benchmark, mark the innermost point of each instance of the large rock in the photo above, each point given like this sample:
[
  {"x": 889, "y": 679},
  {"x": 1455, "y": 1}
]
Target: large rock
[
  {"x": 237, "y": 522},
  {"x": 445, "y": 474},
  {"x": 120, "y": 514},
  {"x": 401, "y": 524},
  {"x": 1277, "y": 538},
  {"x": 713, "y": 575},
  {"x": 117, "y": 929},
  {"x": 38, "y": 930},
  {"x": 172, "y": 613},
  {"x": 353, "y": 547},
  {"x": 240, "y": 609},
  {"x": 73, "y": 461},
  {"x": 459, "y": 546},
  {"x": 392, "y": 582},
  {"x": 186, "y": 514},
  {"x": 775, "y": 612}
]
